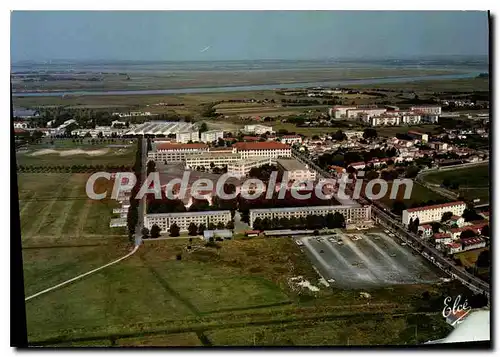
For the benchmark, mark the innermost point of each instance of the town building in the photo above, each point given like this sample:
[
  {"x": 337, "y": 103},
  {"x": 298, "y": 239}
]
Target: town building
[
  {"x": 20, "y": 125},
  {"x": 258, "y": 129},
  {"x": 296, "y": 170},
  {"x": 173, "y": 152},
  {"x": 211, "y": 158},
  {"x": 263, "y": 149},
  {"x": 432, "y": 213},
  {"x": 187, "y": 136},
  {"x": 352, "y": 213},
  {"x": 370, "y": 112},
  {"x": 418, "y": 136},
  {"x": 353, "y": 134},
  {"x": 163, "y": 128},
  {"x": 242, "y": 167},
  {"x": 217, "y": 233},
  {"x": 339, "y": 111},
  {"x": 291, "y": 139},
  {"x": 184, "y": 219},
  {"x": 211, "y": 135},
  {"x": 427, "y": 109},
  {"x": 382, "y": 120},
  {"x": 426, "y": 230}
]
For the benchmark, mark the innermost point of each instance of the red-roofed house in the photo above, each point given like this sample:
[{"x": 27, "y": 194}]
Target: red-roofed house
[
  {"x": 473, "y": 243},
  {"x": 441, "y": 239},
  {"x": 426, "y": 230},
  {"x": 358, "y": 165},
  {"x": 456, "y": 232},
  {"x": 432, "y": 213},
  {"x": 452, "y": 248}
]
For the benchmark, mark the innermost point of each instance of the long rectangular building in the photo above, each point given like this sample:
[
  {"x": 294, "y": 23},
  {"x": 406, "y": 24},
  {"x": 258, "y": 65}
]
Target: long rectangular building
[
  {"x": 206, "y": 159},
  {"x": 352, "y": 213},
  {"x": 169, "y": 152},
  {"x": 184, "y": 219},
  {"x": 432, "y": 213},
  {"x": 263, "y": 149}
]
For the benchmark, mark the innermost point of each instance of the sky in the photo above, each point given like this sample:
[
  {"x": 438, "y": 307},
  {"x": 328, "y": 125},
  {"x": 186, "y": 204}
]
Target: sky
[{"x": 242, "y": 35}]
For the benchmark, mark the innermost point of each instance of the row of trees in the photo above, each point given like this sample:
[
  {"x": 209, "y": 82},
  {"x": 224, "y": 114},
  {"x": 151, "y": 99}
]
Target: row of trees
[
  {"x": 133, "y": 212},
  {"x": 193, "y": 229},
  {"x": 73, "y": 168},
  {"x": 331, "y": 220}
]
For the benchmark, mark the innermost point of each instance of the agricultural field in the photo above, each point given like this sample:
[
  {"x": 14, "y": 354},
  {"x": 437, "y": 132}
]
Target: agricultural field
[
  {"x": 215, "y": 296},
  {"x": 473, "y": 182},
  {"x": 54, "y": 209},
  {"x": 67, "y": 152}
]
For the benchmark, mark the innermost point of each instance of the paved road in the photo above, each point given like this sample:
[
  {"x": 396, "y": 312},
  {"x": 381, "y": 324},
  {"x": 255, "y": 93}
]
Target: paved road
[
  {"x": 142, "y": 205},
  {"x": 431, "y": 253}
]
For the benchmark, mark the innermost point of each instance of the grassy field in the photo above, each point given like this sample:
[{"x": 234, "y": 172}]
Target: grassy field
[
  {"x": 209, "y": 297},
  {"x": 419, "y": 194},
  {"x": 55, "y": 209},
  {"x": 473, "y": 182},
  {"x": 65, "y": 152}
]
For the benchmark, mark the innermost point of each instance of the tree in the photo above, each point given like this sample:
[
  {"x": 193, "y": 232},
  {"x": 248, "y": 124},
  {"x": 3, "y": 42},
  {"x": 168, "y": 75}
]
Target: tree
[
  {"x": 230, "y": 225},
  {"x": 371, "y": 175},
  {"x": 203, "y": 127},
  {"x": 467, "y": 234},
  {"x": 483, "y": 260},
  {"x": 485, "y": 231},
  {"x": 174, "y": 230},
  {"x": 192, "y": 229},
  {"x": 145, "y": 232},
  {"x": 470, "y": 215},
  {"x": 155, "y": 231},
  {"x": 338, "y": 220},
  {"x": 446, "y": 216},
  {"x": 201, "y": 229},
  {"x": 435, "y": 227},
  {"x": 211, "y": 226},
  {"x": 369, "y": 133},
  {"x": 220, "y": 225},
  {"x": 398, "y": 207},
  {"x": 412, "y": 171}
]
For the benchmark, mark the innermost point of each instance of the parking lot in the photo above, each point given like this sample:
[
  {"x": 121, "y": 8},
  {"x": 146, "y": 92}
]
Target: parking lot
[{"x": 364, "y": 260}]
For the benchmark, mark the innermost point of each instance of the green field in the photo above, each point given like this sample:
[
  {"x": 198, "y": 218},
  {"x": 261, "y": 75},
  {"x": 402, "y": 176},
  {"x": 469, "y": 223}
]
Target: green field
[
  {"x": 54, "y": 208},
  {"x": 210, "y": 297},
  {"x": 66, "y": 152},
  {"x": 418, "y": 194},
  {"x": 473, "y": 182}
]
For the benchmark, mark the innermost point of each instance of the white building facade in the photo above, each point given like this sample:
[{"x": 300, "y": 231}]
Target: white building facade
[
  {"x": 432, "y": 213},
  {"x": 352, "y": 214},
  {"x": 184, "y": 219},
  {"x": 210, "y": 136}
]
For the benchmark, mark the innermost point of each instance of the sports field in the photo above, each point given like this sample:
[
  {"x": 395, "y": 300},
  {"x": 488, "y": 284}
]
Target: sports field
[{"x": 55, "y": 209}]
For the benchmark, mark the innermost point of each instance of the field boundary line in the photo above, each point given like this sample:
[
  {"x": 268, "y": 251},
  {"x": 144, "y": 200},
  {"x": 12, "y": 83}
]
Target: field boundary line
[{"x": 82, "y": 275}]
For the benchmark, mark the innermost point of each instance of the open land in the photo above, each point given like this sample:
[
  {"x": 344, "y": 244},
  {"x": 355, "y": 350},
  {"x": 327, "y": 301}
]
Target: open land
[
  {"x": 66, "y": 152},
  {"x": 221, "y": 296},
  {"x": 55, "y": 209},
  {"x": 473, "y": 182}
]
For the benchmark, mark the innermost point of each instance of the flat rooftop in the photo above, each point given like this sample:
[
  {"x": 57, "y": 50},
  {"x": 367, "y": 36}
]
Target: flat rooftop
[{"x": 291, "y": 164}]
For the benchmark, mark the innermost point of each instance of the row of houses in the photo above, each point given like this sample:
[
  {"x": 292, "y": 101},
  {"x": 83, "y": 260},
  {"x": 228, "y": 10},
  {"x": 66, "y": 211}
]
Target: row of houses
[{"x": 388, "y": 116}]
